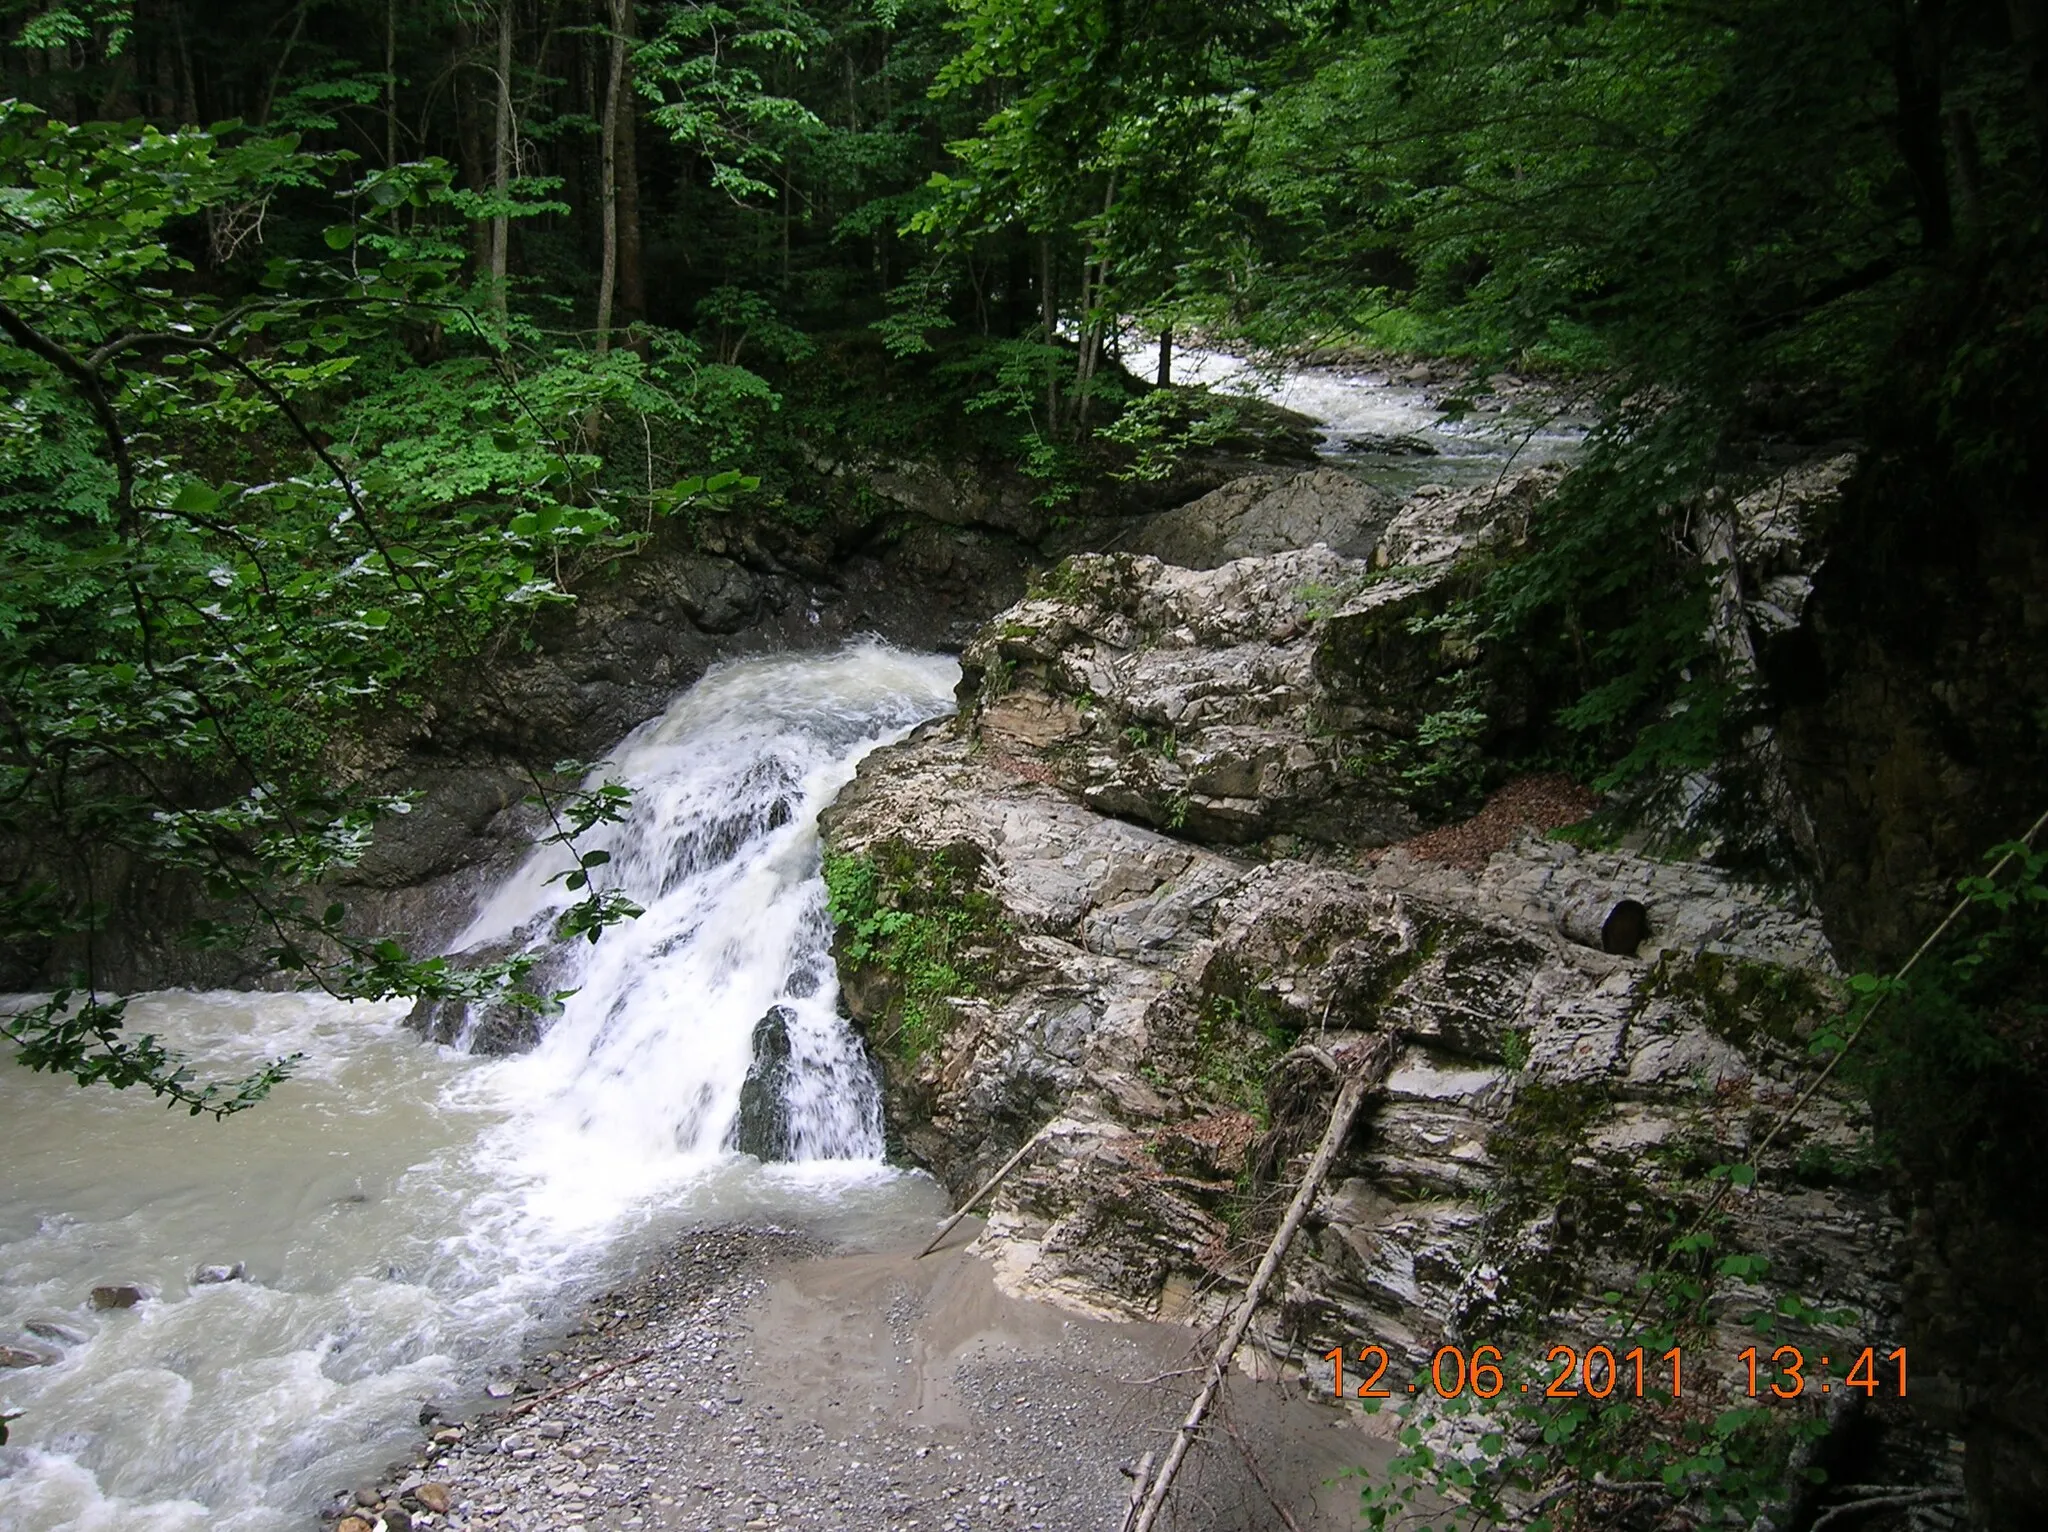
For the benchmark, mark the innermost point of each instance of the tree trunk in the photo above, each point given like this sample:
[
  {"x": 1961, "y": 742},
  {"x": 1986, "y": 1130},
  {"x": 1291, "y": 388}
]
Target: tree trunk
[
  {"x": 1916, "y": 74},
  {"x": 469, "y": 136},
  {"x": 1165, "y": 356},
  {"x": 501, "y": 181},
  {"x": 632, "y": 286},
  {"x": 2029, "y": 22},
  {"x": 614, "y": 106},
  {"x": 390, "y": 83},
  {"x": 1048, "y": 307},
  {"x": 1095, "y": 316}
]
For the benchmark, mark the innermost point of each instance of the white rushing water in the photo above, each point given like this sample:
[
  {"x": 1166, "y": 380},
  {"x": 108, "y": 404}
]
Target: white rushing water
[
  {"x": 1395, "y": 433},
  {"x": 408, "y": 1214}
]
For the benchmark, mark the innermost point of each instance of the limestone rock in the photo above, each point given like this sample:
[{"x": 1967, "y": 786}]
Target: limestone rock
[
  {"x": 1269, "y": 513},
  {"x": 1145, "y": 963}
]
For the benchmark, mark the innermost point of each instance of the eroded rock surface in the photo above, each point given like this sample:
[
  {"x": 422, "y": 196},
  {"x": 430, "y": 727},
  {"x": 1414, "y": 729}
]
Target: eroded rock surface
[
  {"x": 1133, "y": 878},
  {"x": 1276, "y": 695}
]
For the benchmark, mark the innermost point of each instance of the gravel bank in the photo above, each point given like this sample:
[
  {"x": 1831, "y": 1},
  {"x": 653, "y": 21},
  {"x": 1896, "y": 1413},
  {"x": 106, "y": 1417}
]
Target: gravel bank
[{"x": 758, "y": 1381}]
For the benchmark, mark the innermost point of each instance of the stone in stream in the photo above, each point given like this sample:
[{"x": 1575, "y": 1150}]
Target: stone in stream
[
  {"x": 26, "y": 1356},
  {"x": 213, "y": 1276},
  {"x": 762, "y": 1128},
  {"x": 58, "y": 1334},
  {"x": 118, "y": 1295},
  {"x": 434, "y": 1497}
]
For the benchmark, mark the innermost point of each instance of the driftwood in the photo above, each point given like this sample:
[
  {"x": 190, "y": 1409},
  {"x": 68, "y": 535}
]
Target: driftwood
[
  {"x": 1359, "y": 1073},
  {"x": 983, "y": 1190},
  {"x": 527, "y": 1406}
]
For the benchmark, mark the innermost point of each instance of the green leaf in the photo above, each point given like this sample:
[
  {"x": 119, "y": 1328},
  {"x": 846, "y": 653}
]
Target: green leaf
[
  {"x": 196, "y": 499},
  {"x": 339, "y": 236}
]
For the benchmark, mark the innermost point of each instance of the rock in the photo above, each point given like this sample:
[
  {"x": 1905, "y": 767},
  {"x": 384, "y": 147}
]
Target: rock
[
  {"x": 368, "y": 1495},
  {"x": 12, "y": 1357},
  {"x": 495, "y": 1027},
  {"x": 1389, "y": 446},
  {"x": 1267, "y": 513},
  {"x": 434, "y": 1496},
  {"x": 353, "y": 1524},
  {"x": 497, "y": 1388},
  {"x": 762, "y": 1127},
  {"x": 395, "y": 1518},
  {"x": 57, "y": 1332},
  {"x": 118, "y": 1295},
  {"x": 207, "y": 1276},
  {"x": 551, "y": 1430},
  {"x": 1122, "y": 972}
]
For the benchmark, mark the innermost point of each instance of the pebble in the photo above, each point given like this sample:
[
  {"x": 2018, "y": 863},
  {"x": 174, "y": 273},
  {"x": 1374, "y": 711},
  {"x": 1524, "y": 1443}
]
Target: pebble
[{"x": 637, "y": 1449}]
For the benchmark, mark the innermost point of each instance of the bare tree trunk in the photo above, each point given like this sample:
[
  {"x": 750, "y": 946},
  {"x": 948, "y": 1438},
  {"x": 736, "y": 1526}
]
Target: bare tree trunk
[
  {"x": 1916, "y": 76},
  {"x": 1049, "y": 310},
  {"x": 608, "y": 278},
  {"x": 1094, "y": 317},
  {"x": 188, "y": 86},
  {"x": 1165, "y": 356},
  {"x": 501, "y": 220},
  {"x": 632, "y": 292},
  {"x": 1357, "y": 1076},
  {"x": 283, "y": 59},
  {"x": 390, "y": 83}
]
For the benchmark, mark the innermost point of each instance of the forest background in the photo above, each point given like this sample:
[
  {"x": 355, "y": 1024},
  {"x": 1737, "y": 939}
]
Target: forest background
[{"x": 344, "y": 338}]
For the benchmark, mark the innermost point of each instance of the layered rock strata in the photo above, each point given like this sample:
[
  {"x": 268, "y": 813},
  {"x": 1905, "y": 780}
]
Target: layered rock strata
[{"x": 1130, "y": 891}]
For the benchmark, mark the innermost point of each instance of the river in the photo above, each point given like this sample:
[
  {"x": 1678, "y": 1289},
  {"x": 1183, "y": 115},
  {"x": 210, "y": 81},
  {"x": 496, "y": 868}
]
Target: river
[{"x": 408, "y": 1215}]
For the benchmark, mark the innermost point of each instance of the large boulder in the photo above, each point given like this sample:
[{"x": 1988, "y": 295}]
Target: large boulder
[
  {"x": 1270, "y": 513},
  {"x": 762, "y": 1127}
]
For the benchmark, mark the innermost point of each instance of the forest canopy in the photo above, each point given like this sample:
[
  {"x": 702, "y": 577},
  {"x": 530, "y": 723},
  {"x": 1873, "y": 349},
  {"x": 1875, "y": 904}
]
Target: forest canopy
[{"x": 345, "y": 338}]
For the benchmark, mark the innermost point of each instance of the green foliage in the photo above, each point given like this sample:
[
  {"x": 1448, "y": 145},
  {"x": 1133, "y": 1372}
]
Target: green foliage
[
  {"x": 181, "y": 640},
  {"x": 1238, "y": 1040},
  {"x": 925, "y": 921},
  {"x": 1955, "y": 1060},
  {"x": 1162, "y": 427}
]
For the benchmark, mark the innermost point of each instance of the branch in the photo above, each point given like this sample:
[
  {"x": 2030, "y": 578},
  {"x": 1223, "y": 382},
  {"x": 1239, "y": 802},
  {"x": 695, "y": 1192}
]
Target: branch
[{"x": 87, "y": 382}]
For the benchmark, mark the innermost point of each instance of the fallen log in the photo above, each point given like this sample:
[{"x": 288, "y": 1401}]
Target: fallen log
[{"x": 1359, "y": 1072}]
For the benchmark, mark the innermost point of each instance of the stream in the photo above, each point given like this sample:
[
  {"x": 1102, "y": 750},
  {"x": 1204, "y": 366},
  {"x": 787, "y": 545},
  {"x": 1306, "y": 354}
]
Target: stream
[{"x": 408, "y": 1216}]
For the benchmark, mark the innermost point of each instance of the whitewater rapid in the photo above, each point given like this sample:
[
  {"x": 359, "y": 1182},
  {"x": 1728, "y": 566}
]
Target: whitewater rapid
[{"x": 407, "y": 1214}]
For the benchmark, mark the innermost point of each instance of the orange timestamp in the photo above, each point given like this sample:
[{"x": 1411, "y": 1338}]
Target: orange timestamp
[
  {"x": 1789, "y": 1363},
  {"x": 1602, "y": 1372}
]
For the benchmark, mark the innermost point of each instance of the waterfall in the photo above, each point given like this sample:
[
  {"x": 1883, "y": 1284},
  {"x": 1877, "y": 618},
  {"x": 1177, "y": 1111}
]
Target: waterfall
[
  {"x": 406, "y": 1215},
  {"x": 730, "y": 966}
]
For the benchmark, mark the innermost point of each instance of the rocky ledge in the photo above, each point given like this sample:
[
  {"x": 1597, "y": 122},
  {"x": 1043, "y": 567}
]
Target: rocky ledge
[{"x": 1137, "y": 892}]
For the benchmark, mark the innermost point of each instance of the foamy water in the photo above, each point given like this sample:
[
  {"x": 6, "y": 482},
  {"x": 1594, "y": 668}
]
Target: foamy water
[{"x": 407, "y": 1213}]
